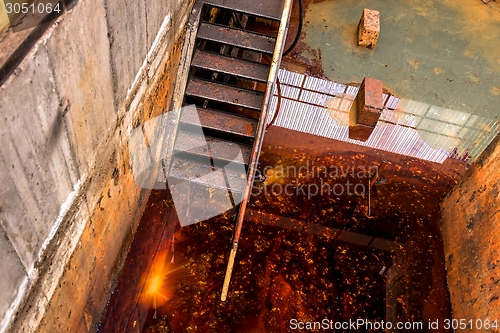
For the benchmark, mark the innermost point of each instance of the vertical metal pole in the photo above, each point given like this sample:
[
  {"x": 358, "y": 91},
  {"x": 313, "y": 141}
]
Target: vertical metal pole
[{"x": 278, "y": 51}]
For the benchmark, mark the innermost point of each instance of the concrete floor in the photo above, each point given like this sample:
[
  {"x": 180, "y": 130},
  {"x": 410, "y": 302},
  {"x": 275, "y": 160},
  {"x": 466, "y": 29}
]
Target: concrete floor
[{"x": 444, "y": 53}]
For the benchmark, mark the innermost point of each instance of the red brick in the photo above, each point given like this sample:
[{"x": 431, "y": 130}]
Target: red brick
[
  {"x": 360, "y": 132},
  {"x": 368, "y": 28},
  {"x": 369, "y": 102},
  {"x": 366, "y": 109}
]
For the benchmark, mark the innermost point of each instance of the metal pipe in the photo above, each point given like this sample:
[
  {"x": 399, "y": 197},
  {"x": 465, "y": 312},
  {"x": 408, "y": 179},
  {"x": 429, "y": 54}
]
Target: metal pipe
[{"x": 278, "y": 51}]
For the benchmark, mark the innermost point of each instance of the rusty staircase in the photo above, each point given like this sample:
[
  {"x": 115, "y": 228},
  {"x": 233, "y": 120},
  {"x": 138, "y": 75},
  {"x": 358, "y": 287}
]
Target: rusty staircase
[{"x": 233, "y": 68}]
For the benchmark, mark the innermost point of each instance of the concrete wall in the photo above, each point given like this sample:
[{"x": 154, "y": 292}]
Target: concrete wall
[
  {"x": 69, "y": 205},
  {"x": 471, "y": 234}
]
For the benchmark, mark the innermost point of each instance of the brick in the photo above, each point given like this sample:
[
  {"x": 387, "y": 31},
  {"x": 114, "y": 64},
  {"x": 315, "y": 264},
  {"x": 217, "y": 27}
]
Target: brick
[
  {"x": 368, "y": 28},
  {"x": 369, "y": 102},
  {"x": 360, "y": 132},
  {"x": 366, "y": 109}
]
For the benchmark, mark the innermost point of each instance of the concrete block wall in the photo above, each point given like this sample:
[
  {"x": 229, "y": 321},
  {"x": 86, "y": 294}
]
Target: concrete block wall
[
  {"x": 471, "y": 235},
  {"x": 69, "y": 204}
]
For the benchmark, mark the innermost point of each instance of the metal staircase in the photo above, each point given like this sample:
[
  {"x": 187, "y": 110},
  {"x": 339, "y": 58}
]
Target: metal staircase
[{"x": 233, "y": 67}]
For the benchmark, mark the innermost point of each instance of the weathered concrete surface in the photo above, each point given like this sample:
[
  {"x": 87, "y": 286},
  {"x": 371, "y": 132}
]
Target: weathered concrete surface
[
  {"x": 11, "y": 275},
  {"x": 69, "y": 204},
  {"x": 80, "y": 63},
  {"x": 36, "y": 179},
  {"x": 128, "y": 42},
  {"x": 471, "y": 234}
]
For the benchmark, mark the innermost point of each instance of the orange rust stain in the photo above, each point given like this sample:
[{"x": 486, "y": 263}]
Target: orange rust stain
[
  {"x": 249, "y": 129},
  {"x": 159, "y": 98}
]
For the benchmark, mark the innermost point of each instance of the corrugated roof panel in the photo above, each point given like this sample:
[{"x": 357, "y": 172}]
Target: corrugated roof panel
[
  {"x": 339, "y": 88},
  {"x": 469, "y": 134},
  {"x": 290, "y": 78},
  {"x": 410, "y": 120},
  {"x": 471, "y": 122},
  {"x": 437, "y": 128},
  {"x": 351, "y": 90},
  {"x": 333, "y": 103},
  {"x": 327, "y": 87},
  {"x": 346, "y": 103},
  {"x": 392, "y": 103},
  {"x": 413, "y": 107},
  {"x": 388, "y": 115},
  {"x": 311, "y": 83},
  {"x": 447, "y": 115},
  {"x": 313, "y": 97},
  {"x": 289, "y": 92}
]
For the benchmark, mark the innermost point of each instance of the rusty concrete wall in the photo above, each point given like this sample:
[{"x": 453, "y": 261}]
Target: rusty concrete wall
[
  {"x": 69, "y": 205},
  {"x": 471, "y": 234}
]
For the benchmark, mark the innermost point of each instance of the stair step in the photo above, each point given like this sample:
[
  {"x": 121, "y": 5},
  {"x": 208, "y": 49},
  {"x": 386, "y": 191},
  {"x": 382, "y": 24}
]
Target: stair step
[
  {"x": 183, "y": 170},
  {"x": 264, "y": 8},
  {"x": 226, "y": 94},
  {"x": 220, "y": 121},
  {"x": 232, "y": 66},
  {"x": 235, "y": 37},
  {"x": 206, "y": 147}
]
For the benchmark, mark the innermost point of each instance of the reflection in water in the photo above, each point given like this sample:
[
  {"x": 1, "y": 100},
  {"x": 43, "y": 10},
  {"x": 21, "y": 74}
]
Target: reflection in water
[
  {"x": 304, "y": 257},
  {"x": 281, "y": 274},
  {"x": 159, "y": 288},
  {"x": 321, "y": 107}
]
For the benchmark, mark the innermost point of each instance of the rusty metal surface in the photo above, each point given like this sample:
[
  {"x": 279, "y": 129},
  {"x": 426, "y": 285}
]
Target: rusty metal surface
[
  {"x": 220, "y": 121},
  {"x": 263, "y": 8},
  {"x": 223, "y": 93},
  {"x": 252, "y": 167},
  {"x": 210, "y": 147},
  {"x": 235, "y": 37},
  {"x": 233, "y": 66}
]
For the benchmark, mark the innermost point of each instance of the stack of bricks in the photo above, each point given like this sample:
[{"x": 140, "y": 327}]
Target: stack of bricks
[
  {"x": 369, "y": 28},
  {"x": 366, "y": 109}
]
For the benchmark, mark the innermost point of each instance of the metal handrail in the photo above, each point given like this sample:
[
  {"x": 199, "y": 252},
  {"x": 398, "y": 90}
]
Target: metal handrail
[{"x": 278, "y": 51}]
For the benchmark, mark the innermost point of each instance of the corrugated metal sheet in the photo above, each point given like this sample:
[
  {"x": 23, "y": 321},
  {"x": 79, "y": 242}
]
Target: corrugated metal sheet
[
  {"x": 321, "y": 107},
  {"x": 448, "y": 115}
]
